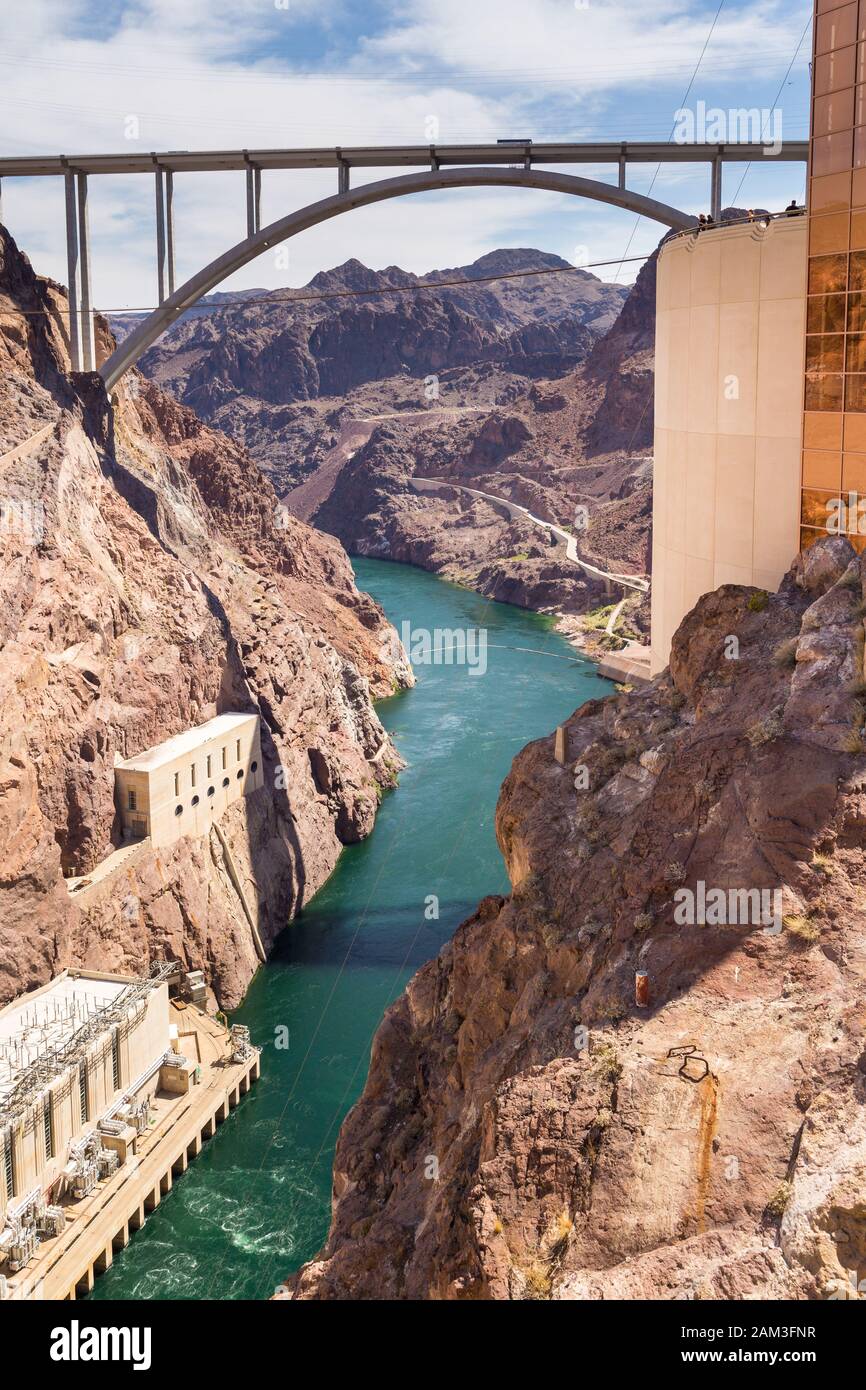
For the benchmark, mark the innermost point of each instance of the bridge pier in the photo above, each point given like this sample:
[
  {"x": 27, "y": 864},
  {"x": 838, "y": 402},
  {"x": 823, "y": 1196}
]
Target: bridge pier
[
  {"x": 82, "y": 351},
  {"x": 164, "y": 189},
  {"x": 169, "y": 227},
  {"x": 716, "y": 189}
]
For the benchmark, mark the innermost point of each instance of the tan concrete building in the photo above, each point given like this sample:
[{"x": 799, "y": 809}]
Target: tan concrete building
[
  {"x": 180, "y": 786},
  {"x": 730, "y": 335}
]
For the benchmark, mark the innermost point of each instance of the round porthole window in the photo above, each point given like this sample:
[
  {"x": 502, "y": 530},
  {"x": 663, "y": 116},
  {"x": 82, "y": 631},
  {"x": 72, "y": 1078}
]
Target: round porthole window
[
  {"x": 178, "y": 810},
  {"x": 195, "y": 801},
  {"x": 254, "y": 767},
  {"x": 225, "y": 781},
  {"x": 239, "y": 774},
  {"x": 210, "y": 791}
]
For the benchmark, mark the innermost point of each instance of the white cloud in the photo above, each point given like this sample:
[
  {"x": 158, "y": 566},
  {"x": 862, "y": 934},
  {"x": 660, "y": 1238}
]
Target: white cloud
[{"x": 208, "y": 74}]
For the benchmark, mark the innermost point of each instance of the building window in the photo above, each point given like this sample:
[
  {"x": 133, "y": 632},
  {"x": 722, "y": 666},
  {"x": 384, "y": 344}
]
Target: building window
[
  {"x": 237, "y": 750},
  {"x": 224, "y": 758},
  {"x": 178, "y": 810},
  {"x": 48, "y": 1129},
  {"x": 195, "y": 801},
  {"x": 192, "y": 775},
  {"x": 225, "y": 781},
  {"x": 253, "y": 766},
  {"x": 208, "y": 764},
  {"x": 130, "y": 801},
  {"x": 239, "y": 774},
  {"x": 82, "y": 1093},
  {"x": 210, "y": 791},
  {"x": 115, "y": 1060},
  {"x": 176, "y": 783},
  {"x": 8, "y": 1165}
]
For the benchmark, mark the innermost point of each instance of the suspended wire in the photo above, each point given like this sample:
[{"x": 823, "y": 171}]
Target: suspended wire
[
  {"x": 637, "y": 220},
  {"x": 732, "y": 62},
  {"x": 784, "y": 80},
  {"x": 291, "y": 297}
]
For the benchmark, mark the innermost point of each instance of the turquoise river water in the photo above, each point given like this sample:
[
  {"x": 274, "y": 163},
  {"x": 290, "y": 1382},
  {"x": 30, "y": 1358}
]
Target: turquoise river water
[{"x": 255, "y": 1204}]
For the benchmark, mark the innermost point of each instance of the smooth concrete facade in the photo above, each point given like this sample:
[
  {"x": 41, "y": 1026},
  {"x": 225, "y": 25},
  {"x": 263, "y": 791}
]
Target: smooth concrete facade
[
  {"x": 730, "y": 340},
  {"x": 180, "y": 786}
]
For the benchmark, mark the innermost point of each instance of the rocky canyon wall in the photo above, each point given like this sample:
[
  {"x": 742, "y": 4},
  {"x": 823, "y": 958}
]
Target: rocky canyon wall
[
  {"x": 149, "y": 579},
  {"x": 528, "y": 1130}
]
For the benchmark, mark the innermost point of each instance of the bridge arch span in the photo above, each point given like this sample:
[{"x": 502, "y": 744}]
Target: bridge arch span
[{"x": 200, "y": 284}]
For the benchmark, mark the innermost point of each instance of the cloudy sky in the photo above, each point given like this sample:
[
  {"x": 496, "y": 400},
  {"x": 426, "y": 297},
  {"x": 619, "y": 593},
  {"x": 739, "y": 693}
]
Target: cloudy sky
[{"x": 84, "y": 76}]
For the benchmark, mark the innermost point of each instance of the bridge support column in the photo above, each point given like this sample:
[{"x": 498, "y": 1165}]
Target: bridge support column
[
  {"x": 87, "y": 345},
  {"x": 621, "y": 181},
  {"x": 169, "y": 227},
  {"x": 716, "y": 190},
  {"x": 251, "y": 204},
  {"x": 254, "y": 200},
  {"x": 72, "y": 272},
  {"x": 164, "y": 189},
  {"x": 160, "y": 237},
  {"x": 82, "y": 351},
  {"x": 342, "y": 177}
]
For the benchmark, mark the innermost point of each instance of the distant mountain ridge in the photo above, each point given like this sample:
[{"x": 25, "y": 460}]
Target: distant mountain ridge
[{"x": 283, "y": 347}]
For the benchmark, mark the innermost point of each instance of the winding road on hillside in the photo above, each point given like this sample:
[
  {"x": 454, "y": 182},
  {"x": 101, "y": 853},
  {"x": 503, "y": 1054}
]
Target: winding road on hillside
[
  {"x": 304, "y": 500},
  {"x": 518, "y": 512}
]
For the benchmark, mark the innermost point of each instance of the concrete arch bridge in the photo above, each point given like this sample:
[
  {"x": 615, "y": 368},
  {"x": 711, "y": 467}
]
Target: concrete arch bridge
[{"x": 506, "y": 164}]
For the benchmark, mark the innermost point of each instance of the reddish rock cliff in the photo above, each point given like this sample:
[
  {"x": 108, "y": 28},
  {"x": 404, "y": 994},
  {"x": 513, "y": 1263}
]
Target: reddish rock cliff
[
  {"x": 528, "y": 1131},
  {"x": 149, "y": 579}
]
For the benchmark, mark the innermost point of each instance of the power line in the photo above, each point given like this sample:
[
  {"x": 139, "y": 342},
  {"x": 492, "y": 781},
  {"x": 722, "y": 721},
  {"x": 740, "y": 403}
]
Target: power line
[
  {"x": 453, "y": 75},
  {"x": 674, "y": 126},
  {"x": 290, "y": 297},
  {"x": 776, "y": 98}
]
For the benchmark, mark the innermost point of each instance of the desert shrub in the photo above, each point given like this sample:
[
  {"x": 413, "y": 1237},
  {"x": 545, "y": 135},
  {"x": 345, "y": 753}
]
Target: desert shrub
[
  {"x": 539, "y": 1281},
  {"x": 775, "y": 1208},
  {"x": 765, "y": 730},
  {"x": 786, "y": 652},
  {"x": 606, "y": 1063},
  {"x": 801, "y": 926}
]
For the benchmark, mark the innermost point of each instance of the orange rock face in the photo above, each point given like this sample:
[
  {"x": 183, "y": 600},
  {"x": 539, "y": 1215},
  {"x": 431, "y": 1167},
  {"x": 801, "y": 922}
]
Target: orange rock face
[
  {"x": 149, "y": 579},
  {"x": 526, "y": 1131}
]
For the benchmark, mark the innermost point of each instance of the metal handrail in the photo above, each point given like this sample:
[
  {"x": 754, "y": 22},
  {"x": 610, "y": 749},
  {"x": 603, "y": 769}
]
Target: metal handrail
[{"x": 760, "y": 219}]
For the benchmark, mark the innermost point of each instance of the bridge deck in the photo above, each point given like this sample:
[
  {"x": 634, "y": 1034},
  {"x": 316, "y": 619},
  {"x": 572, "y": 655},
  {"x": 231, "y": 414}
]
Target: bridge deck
[{"x": 397, "y": 156}]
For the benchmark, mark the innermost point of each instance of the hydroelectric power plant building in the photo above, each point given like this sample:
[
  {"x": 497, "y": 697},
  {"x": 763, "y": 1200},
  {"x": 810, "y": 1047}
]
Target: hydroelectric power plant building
[
  {"x": 181, "y": 785},
  {"x": 107, "y": 1089}
]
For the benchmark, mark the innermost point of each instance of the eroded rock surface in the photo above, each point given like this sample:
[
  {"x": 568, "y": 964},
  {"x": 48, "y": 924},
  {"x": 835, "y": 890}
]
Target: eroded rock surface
[
  {"x": 526, "y": 1130},
  {"x": 149, "y": 579}
]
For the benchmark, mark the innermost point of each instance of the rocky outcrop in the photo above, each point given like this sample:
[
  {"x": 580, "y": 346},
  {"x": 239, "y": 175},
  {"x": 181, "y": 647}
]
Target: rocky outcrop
[
  {"x": 322, "y": 341},
  {"x": 149, "y": 579},
  {"x": 528, "y": 1129},
  {"x": 485, "y": 383}
]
